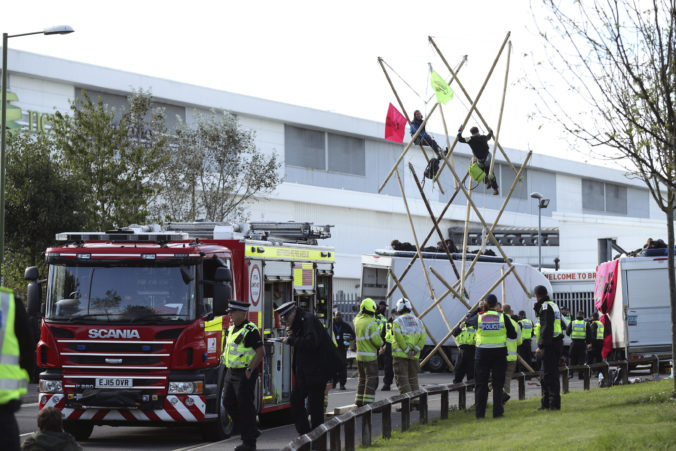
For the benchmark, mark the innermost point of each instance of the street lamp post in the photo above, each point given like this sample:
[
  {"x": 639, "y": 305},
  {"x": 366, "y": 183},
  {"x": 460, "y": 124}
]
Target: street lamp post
[
  {"x": 542, "y": 203},
  {"x": 61, "y": 29}
]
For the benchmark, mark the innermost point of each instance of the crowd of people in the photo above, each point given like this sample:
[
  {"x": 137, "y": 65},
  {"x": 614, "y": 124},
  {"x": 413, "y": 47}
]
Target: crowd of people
[{"x": 493, "y": 342}]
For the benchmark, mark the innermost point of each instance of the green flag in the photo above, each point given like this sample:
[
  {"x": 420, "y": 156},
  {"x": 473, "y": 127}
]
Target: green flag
[{"x": 441, "y": 88}]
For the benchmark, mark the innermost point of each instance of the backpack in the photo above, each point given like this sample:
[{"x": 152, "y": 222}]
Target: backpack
[{"x": 432, "y": 168}]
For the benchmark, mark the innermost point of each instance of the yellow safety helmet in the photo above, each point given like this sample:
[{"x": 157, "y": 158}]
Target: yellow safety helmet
[{"x": 368, "y": 305}]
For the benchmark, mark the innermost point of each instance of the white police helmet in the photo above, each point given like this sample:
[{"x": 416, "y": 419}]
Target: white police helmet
[{"x": 403, "y": 304}]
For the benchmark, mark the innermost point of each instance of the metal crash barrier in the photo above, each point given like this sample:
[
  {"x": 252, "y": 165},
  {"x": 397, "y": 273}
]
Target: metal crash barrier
[{"x": 328, "y": 435}]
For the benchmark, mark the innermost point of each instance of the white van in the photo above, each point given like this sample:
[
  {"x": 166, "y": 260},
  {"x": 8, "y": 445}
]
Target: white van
[{"x": 641, "y": 314}]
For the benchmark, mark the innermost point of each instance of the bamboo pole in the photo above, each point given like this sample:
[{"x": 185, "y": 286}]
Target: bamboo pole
[
  {"x": 525, "y": 365},
  {"x": 476, "y": 100},
  {"x": 422, "y": 263},
  {"x": 464, "y": 241},
  {"x": 435, "y": 349},
  {"x": 434, "y": 222},
  {"x": 450, "y": 288},
  {"x": 431, "y": 232},
  {"x": 490, "y": 233},
  {"x": 429, "y": 307},
  {"x": 415, "y": 312},
  {"x": 502, "y": 209},
  {"x": 403, "y": 109},
  {"x": 504, "y": 289},
  {"x": 502, "y": 108},
  {"x": 464, "y": 91}
]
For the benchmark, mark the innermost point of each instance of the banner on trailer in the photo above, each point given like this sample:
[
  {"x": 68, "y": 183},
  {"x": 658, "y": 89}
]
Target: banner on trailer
[{"x": 606, "y": 284}]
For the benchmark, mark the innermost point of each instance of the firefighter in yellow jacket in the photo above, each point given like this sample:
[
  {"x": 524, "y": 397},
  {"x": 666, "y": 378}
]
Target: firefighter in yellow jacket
[
  {"x": 16, "y": 362},
  {"x": 368, "y": 342},
  {"x": 409, "y": 339}
]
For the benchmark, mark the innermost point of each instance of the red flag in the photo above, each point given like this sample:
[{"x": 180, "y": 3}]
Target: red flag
[{"x": 395, "y": 125}]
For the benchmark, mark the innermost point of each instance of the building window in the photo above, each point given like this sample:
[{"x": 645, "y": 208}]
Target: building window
[
  {"x": 305, "y": 148},
  {"x": 346, "y": 154},
  {"x": 324, "y": 151},
  {"x": 604, "y": 197}
]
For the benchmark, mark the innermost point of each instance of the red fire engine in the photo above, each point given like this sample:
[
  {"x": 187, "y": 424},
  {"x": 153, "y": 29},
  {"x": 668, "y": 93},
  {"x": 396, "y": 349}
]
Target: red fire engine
[{"x": 134, "y": 319}]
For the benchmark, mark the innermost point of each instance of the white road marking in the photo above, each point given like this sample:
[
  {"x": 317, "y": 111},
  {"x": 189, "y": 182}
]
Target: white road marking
[{"x": 231, "y": 439}]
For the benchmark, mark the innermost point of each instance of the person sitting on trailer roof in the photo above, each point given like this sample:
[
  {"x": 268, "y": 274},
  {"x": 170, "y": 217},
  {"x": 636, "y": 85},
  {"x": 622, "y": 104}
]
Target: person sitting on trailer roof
[{"x": 479, "y": 145}]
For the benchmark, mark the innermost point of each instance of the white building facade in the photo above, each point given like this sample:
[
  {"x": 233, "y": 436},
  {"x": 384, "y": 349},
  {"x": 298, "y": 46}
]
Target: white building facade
[{"x": 334, "y": 164}]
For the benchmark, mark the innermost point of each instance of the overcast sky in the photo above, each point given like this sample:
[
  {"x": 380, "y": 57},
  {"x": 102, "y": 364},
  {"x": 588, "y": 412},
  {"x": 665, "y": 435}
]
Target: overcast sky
[{"x": 317, "y": 54}]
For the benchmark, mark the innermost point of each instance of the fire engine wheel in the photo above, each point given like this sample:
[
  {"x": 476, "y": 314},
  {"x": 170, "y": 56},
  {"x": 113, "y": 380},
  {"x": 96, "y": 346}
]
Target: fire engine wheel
[
  {"x": 81, "y": 430},
  {"x": 221, "y": 428}
]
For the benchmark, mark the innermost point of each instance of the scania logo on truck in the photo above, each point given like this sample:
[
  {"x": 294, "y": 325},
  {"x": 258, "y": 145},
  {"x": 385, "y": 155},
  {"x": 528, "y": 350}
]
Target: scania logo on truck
[{"x": 113, "y": 333}]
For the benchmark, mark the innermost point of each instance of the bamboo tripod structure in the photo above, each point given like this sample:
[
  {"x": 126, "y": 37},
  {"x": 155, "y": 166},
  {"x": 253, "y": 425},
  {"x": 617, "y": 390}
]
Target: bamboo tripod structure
[{"x": 456, "y": 290}]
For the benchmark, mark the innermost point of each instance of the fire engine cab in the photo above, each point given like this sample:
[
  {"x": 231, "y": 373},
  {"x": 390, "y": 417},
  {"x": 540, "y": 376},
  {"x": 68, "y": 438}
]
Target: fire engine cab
[{"x": 134, "y": 320}]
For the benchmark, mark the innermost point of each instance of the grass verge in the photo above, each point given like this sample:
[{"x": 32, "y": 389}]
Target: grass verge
[{"x": 636, "y": 416}]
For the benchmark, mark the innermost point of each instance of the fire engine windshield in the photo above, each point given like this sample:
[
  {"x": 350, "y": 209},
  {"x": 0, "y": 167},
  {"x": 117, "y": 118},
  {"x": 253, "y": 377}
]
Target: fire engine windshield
[{"x": 124, "y": 294}]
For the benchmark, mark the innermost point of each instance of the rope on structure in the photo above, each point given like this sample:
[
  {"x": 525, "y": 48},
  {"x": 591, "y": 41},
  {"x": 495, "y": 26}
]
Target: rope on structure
[{"x": 402, "y": 79}]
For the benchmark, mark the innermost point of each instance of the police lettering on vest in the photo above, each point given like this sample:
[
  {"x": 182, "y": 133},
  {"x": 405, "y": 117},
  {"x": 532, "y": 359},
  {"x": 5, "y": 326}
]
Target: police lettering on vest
[
  {"x": 579, "y": 330},
  {"x": 491, "y": 332}
]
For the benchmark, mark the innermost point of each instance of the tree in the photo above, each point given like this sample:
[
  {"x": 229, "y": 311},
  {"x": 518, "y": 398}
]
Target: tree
[
  {"x": 116, "y": 161},
  {"x": 215, "y": 170},
  {"x": 42, "y": 200},
  {"x": 619, "y": 58}
]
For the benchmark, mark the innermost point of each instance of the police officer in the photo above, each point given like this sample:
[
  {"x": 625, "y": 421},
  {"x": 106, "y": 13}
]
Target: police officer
[
  {"x": 315, "y": 362},
  {"x": 386, "y": 351},
  {"x": 596, "y": 336},
  {"x": 550, "y": 346},
  {"x": 492, "y": 332},
  {"x": 512, "y": 346},
  {"x": 243, "y": 354},
  {"x": 344, "y": 334},
  {"x": 16, "y": 363},
  {"x": 525, "y": 349},
  {"x": 409, "y": 339},
  {"x": 368, "y": 342},
  {"x": 578, "y": 331},
  {"x": 465, "y": 337}
]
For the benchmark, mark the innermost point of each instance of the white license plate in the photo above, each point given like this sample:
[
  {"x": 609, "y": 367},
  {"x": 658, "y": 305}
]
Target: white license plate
[{"x": 114, "y": 382}]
